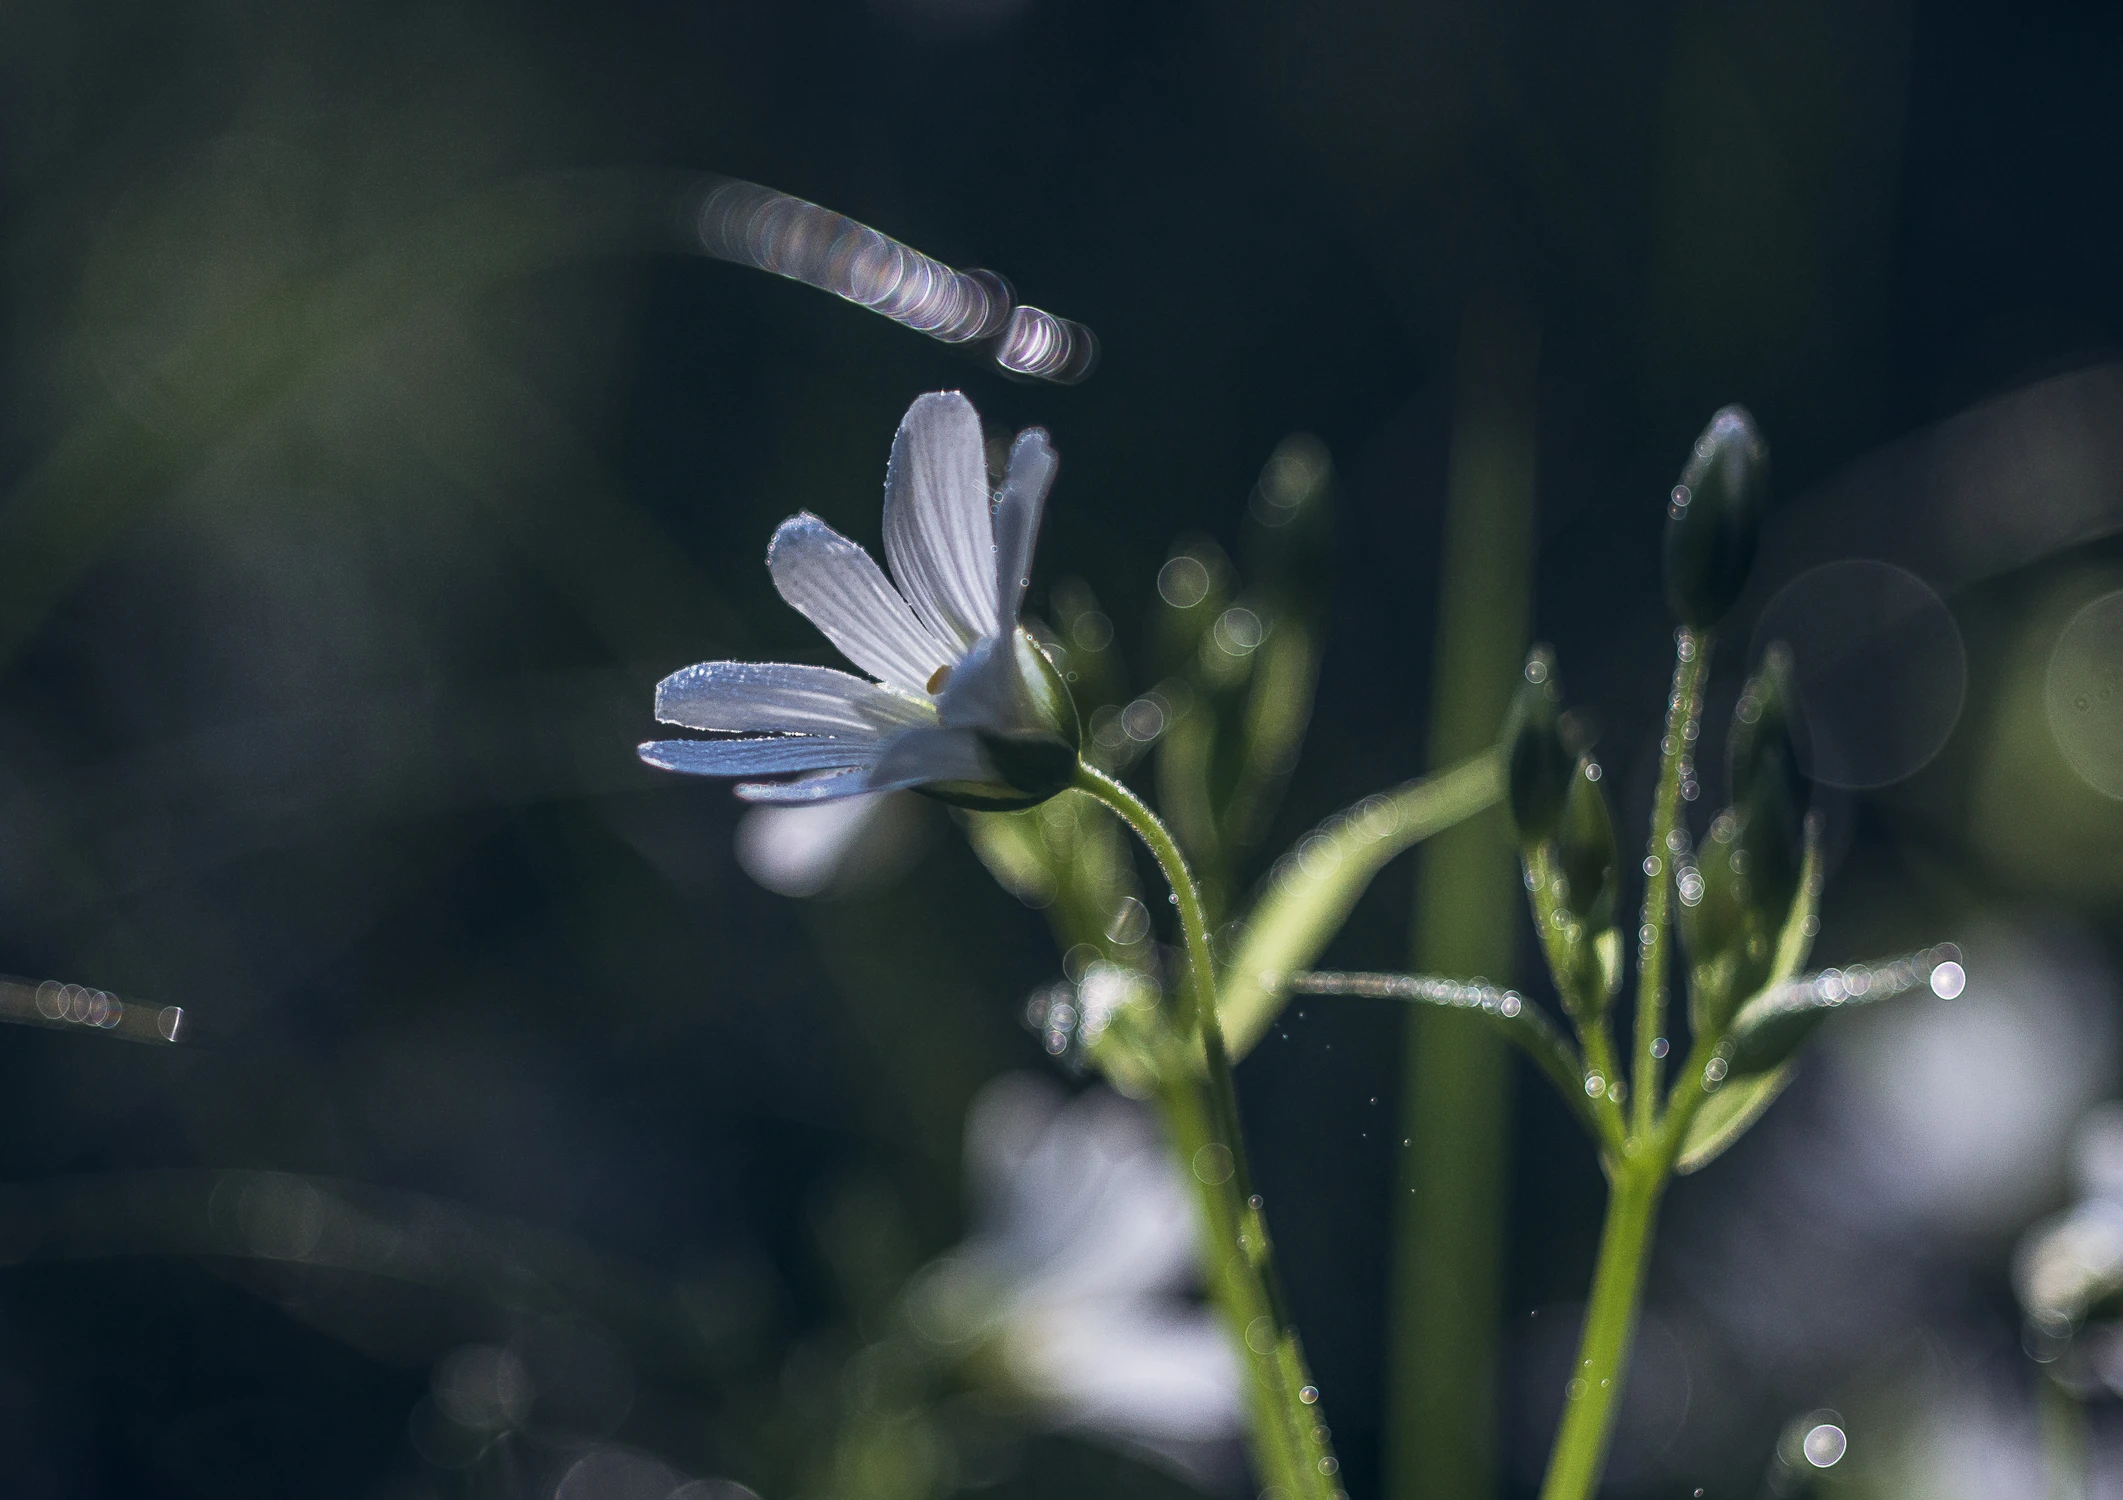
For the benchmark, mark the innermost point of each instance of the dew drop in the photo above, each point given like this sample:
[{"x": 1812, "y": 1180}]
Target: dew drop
[
  {"x": 1213, "y": 1163},
  {"x": 1308, "y": 1394}
]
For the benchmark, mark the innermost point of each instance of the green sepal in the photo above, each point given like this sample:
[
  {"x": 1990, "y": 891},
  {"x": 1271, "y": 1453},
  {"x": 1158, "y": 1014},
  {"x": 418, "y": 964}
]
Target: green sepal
[{"x": 1714, "y": 518}]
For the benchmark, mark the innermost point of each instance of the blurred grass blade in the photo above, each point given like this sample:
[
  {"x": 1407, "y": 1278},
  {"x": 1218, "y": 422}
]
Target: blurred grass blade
[
  {"x": 1447, "y": 1300},
  {"x": 1312, "y": 889}
]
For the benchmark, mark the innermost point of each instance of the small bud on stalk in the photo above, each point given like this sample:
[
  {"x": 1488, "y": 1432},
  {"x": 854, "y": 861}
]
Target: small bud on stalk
[
  {"x": 1587, "y": 851},
  {"x": 1538, "y": 766},
  {"x": 1715, "y": 517},
  {"x": 1752, "y": 865}
]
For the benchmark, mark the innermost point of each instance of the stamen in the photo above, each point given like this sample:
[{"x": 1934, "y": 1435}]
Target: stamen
[{"x": 938, "y": 678}]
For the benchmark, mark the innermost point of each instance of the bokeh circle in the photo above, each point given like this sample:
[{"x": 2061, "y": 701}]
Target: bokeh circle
[
  {"x": 1881, "y": 671},
  {"x": 2083, "y": 692}
]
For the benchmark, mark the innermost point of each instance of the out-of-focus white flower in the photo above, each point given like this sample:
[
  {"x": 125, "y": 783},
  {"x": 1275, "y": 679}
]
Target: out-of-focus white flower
[
  {"x": 965, "y": 706},
  {"x": 1076, "y": 1277},
  {"x": 836, "y": 846},
  {"x": 1964, "y": 1108}
]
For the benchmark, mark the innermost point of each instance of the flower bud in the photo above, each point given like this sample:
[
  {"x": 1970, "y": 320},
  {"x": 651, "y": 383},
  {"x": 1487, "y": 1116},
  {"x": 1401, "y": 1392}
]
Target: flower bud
[
  {"x": 1537, "y": 764},
  {"x": 1753, "y": 865},
  {"x": 1586, "y": 849},
  {"x": 1714, "y": 518},
  {"x": 1762, "y": 751}
]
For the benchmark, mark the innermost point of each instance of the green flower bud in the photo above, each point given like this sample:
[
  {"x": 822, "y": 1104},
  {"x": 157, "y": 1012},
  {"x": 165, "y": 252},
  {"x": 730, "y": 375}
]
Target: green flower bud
[
  {"x": 1734, "y": 904},
  {"x": 1762, "y": 750},
  {"x": 1538, "y": 765},
  {"x": 1714, "y": 518},
  {"x": 1586, "y": 848}
]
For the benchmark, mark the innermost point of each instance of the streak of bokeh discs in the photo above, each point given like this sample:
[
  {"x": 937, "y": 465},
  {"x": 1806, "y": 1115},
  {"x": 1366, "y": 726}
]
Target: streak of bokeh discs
[
  {"x": 1881, "y": 671},
  {"x": 2084, "y": 693},
  {"x": 774, "y": 231}
]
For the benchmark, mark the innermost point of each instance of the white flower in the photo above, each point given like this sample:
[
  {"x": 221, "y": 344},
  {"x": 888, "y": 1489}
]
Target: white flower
[
  {"x": 1077, "y": 1276},
  {"x": 965, "y": 706}
]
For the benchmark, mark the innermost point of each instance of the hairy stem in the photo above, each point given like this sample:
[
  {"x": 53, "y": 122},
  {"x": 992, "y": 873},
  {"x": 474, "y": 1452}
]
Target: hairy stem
[
  {"x": 1201, "y": 1112},
  {"x": 1683, "y": 711}
]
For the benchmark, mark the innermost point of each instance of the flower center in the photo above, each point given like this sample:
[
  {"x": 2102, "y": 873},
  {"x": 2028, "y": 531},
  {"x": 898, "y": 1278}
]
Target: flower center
[{"x": 938, "y": 678}]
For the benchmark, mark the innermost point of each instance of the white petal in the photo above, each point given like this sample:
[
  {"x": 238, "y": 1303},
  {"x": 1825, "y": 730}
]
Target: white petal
[
  {"x": 1004, "y": 1125},
  {"x": 827, "y": 786},
  {"x": 939, "y": 537},
  {"x": 783, "y": 698},
  {"x": 1025, "y": 485},
  {"x": 841, "y": 590},
  {"x": 918, "y": 756},
  {"x": 763, "y": 757},
  {"x": 986, "y": 689},
  {"x": 1133, "y": 1368},
  {"x": 799, "y": 851}
]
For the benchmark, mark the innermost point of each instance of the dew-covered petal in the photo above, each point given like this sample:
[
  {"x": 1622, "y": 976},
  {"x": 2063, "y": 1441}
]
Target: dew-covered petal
[
  {"x": 782, "y": 698},
  {"x": 939, "y": 537},
  {"x": 761, "y": 757},
  {"x": 924, "y": 755},
  {"x": 1017, "y": 512},
  {"x": 839, "y": 588}
]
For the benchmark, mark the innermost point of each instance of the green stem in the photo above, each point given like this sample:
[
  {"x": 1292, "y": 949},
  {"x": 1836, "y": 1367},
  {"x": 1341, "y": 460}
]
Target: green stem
[
  {"x": 1201, "y": 1112},
  {"x": 1592, "y": 1398},
  {"x": 1683, "y": 709}
]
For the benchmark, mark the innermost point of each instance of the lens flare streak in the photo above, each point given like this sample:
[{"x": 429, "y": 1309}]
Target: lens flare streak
[
  {"x": 757, "y": 226},
  {"x": 78, "y": 1005}
]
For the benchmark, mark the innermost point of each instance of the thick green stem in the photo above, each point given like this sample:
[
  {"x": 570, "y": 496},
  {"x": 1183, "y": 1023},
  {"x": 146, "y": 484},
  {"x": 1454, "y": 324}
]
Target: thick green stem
[
  {"x": 1594, "y": 1393},
  {"x": 1201, "y": 1112},
  {"x": 1683, "y": 712}
]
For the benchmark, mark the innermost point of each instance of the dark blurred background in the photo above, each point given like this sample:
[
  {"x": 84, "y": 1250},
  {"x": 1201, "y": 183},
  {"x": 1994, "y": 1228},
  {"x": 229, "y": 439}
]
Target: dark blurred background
[{"x": 365, "y": 467}]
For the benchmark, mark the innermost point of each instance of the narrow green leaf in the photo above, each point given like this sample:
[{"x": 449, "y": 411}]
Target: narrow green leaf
[
  {"x": 1738, "y": 1102},
  {"x": 1726, "y": 1116},
  {"x": 1312, "y": 889}
]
